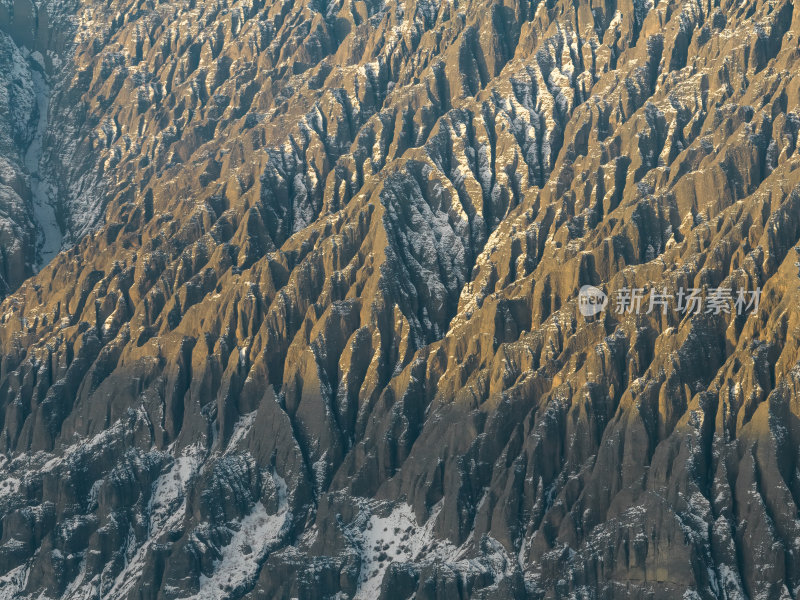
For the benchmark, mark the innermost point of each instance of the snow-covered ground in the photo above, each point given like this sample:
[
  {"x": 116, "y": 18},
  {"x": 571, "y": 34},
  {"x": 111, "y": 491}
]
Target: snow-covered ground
[
  {"x": 394, "y": 538},
  {"x": 13, "y": 582},
  {"x": 256, "y": 535},
  {"x": 397, "y": 537},
  {"x": 49, "y": 236},
  {"x": 27, "y": 216}
]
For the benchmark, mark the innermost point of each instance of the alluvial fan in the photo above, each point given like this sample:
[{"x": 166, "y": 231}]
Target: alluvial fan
[{"x": 316, "y": 328}]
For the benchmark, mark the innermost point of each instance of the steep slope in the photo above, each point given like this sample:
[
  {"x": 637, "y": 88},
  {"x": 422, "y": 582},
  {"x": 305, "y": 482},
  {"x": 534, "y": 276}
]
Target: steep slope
[
  {"x": 45, "y": 201},
  {"x": 18, "y": 111},
  {"x": 327, "y": 340}
]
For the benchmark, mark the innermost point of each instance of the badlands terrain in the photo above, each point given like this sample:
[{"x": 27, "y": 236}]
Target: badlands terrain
[{"x": 291, "y": 299}]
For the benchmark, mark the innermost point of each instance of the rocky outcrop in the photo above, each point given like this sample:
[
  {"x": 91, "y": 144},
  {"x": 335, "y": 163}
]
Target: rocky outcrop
[{"x": 327, "y": 340}]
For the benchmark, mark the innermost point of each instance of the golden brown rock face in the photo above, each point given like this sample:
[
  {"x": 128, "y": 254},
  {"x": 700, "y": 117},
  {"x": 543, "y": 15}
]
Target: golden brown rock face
[{"x": 328, "y": 339}]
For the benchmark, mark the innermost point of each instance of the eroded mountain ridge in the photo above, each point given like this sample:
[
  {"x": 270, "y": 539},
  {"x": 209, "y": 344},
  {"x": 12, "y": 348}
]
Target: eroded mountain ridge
[{"x": 327, "y": 341}]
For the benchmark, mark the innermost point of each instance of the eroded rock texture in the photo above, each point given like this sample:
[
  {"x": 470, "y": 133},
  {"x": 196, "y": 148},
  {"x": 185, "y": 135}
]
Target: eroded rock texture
[{"x": 326, "y": 342}]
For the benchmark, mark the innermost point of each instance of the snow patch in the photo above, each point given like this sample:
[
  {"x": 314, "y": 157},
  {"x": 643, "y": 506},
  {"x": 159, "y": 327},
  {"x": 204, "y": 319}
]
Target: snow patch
[
  {"x": 13, "y": 582},
  {"x": 256, "y": 535},
  {"x": 398, "y": 538},
  {"x": 48, "y": 232},
  {"x": 240, "y": 430}
]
